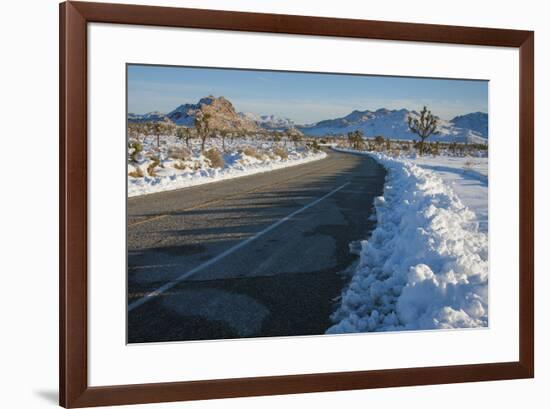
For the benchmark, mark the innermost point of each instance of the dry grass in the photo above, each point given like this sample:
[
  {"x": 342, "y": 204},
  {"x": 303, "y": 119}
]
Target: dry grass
[
  {"x": 468, "y": 164},
  {"x": 151, "y": 168},
  {"x": 137, "y": 173},
  {"x": 215, "y": 157},
  {"x": 281, "y": 152},
  {"x": 395, "y": 152},
  {"x": 180, "y": 165},
  {"x": 180, "y": 153},
  {"x": 250, "y": 151}
]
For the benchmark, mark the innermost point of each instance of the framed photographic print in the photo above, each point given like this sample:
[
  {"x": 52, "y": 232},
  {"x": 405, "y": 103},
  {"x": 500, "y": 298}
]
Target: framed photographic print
[{"x": 257, "y": 204}]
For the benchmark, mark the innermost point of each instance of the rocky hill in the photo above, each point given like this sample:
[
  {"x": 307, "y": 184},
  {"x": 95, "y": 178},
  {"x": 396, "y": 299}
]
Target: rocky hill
[{"x": 222, "y": 115}]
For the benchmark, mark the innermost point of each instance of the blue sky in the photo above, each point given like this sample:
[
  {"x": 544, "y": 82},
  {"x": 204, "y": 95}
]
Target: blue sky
[{"x": 303, "y": 97}]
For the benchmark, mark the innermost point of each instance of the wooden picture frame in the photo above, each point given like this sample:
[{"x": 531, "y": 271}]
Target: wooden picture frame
[{"x": 73, "y": 330}]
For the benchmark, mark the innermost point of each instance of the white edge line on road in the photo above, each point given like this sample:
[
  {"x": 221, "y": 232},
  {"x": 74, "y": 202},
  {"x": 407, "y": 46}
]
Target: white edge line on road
[{"x": 227, "y": 252}]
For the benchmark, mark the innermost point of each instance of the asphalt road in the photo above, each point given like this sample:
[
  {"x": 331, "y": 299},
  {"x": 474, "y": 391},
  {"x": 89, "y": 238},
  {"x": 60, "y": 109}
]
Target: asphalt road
[{"x": 256, "y": 256}]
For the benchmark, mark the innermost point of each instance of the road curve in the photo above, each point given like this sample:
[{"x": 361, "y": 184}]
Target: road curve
[{"x": 249, "y": 257}]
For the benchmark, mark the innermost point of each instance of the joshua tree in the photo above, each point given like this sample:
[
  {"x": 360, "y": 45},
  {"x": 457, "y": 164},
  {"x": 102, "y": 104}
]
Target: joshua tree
[
  {"x": 359, "y": 139},
  {"x": 188, "y": 136},
  {"x": 424, "y": 126},
  {"x": 238, "y": 132},
  {"x": 184, "y": 134},
  {"x": 202, "y": 125},
  {"x": 350, "y": 139},
  {"x": 296, "y": 138},
  {"x": 135, "y": 130},
  {"x": 355, "y": 139},
  {"x": 285, "y": 135},
  {"x": 157, "y": 128},
  {"x": 223, "y": 134},
  {"x": 379, "y": 140}
]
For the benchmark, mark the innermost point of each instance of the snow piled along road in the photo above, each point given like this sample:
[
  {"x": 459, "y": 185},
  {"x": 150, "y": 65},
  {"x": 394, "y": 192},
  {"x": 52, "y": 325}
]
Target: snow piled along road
[
  {"x": 468, "y": 177},
  {"x": 197, "y": 170},
  {"x": 425, "y": 265}
]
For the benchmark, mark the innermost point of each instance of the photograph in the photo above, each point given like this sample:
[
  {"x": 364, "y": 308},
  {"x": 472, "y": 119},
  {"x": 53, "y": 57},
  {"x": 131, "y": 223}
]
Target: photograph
[
  {"x": 272, "y": 203},
  {"x": 275, "y": 204}
]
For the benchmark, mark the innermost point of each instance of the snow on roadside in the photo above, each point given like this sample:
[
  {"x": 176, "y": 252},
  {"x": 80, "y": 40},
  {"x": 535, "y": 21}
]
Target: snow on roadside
[
  {"x": 425, "y": 265},
  {"x": 468, "y": 177},
  {"x": 236, "y": 165}
]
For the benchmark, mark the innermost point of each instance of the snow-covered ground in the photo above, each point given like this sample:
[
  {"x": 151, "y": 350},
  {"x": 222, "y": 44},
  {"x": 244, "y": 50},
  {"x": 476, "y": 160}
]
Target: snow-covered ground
[
  {"x": 179, "y": 167},
  {"x": 468, "y": 177},
  {"x": 425, "y": 265}
]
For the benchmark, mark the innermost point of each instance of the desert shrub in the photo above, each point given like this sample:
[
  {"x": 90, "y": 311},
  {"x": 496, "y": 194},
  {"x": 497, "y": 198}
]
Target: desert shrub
[
  {"x": 250, "y": 151},
  {"x": 315, "y": 146},
  {"x": 180, "y": 165},
  {"x": 180, "y": 153},
  {"x": 136, "y": 173},
  {"x": 136, "y": 149},
  {"x": 151, "y": 168},
  {"x": 395, "y": 151},
  {"x": 215, "y": 157},
  {"x": 468, "y": 164},
  {"x": 281, "y": 152},
  {"x": 480, "y": 147}
]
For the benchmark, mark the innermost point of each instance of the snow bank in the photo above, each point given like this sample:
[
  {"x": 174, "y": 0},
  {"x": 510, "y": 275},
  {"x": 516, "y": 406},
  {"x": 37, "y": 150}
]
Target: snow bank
[
  {"x": 425, "y": 265},
  {"x": 468, "y": 177},
  {"x": 236, "y": 165}
]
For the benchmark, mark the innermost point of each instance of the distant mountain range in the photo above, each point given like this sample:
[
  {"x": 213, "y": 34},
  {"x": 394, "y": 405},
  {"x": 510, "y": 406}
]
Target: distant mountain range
[
  {"x": 393, "y": 124},
  {"x": 148, "y": 117},
  {"x": 476, "y": 121},
  {"x": 269, "y": 122},
  {"x": 472, "y": 128}
]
